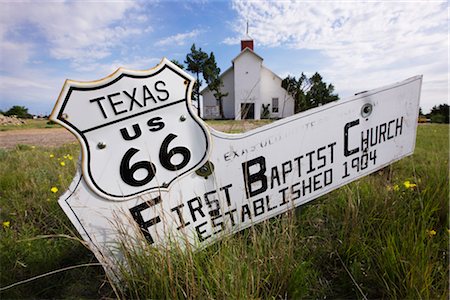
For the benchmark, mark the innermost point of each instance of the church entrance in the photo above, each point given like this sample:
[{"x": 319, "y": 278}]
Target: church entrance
[{"x": 247, "y": 111}]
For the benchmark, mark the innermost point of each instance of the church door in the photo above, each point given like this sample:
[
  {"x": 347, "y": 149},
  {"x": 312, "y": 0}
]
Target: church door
[{"x": 247, "y": 111}]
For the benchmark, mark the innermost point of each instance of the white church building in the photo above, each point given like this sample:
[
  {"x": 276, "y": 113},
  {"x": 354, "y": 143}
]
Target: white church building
[{"x": 250, "y": 87}]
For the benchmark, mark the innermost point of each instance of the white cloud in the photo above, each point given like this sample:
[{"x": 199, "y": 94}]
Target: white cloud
[
  {"x": 32, "y": 89},
  {"x": 20, "y": 83},
  {"x": 13, "y": 55},
  {"x": 366, "y": 43},
  {"x": 76, "y": 31},
  {"x": 179, "y": 39},
  {"x": 231, "y": 41},
  {"x": 100, "y": 70},
  {"x": 39, "y": 90},
  {"x": 82, "y": 34}
]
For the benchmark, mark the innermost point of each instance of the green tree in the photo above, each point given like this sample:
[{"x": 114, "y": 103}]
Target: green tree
[
  {"x": 309, "y": 92},
  {"x": 211, "y": 75},
  {"x": 439, "y": 114},
  {"x": 178, "y": 64},
  {"x": 195, "y": 61},
  {"x": 297, "y": 89},
  {"x": 18, "y": 111}
]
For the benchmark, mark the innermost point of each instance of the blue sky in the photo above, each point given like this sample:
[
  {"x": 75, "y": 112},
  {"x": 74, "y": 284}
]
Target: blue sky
[{"x": 354, "y": 45}]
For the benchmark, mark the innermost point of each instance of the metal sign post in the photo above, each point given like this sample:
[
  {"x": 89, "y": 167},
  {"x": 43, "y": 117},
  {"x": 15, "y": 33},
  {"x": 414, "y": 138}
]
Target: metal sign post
[{"x": 152, "y": 169}]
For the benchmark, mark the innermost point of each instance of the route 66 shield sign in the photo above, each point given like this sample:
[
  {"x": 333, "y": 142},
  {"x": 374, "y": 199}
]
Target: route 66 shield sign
[{"x": 136, "y": 128}]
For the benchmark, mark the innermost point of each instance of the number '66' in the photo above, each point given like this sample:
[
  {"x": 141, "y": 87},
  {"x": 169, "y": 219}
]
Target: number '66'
[{"x": 165, "y": 155}]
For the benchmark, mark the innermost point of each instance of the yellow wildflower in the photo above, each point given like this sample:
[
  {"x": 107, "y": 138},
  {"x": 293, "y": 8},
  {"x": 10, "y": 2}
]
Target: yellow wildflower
[
  {"x": 70, "y": 157},
  {"x": 409, "y": 185},
  {"x": 62, "y": 164},
  {"x": 54, "y": 189},
  {"x": 6, "y": 224},
  {"x": 431, "y": 232},
  {"x": 52, "y": 155},
  {"x": 33, "y": 147},
  {"x": 396, "y": 187}
]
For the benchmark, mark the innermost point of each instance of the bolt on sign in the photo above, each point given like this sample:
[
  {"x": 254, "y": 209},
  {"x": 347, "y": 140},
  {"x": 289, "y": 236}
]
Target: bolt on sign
[{"x": 150, "y": 167}]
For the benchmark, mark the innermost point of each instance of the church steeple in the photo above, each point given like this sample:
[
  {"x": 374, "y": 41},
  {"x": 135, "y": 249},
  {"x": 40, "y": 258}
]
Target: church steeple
[{"x": 247, "y": 41}]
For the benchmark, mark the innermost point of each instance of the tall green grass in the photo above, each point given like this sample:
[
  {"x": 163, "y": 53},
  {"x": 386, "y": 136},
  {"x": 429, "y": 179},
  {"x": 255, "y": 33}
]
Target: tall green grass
[
  {"x": 379, "y": 237},
  {"x": 33, "y": 225}
]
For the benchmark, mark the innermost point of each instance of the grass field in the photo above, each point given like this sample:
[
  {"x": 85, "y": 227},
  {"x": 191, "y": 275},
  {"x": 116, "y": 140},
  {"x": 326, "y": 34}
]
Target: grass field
[{"x": 384, "y": 236}]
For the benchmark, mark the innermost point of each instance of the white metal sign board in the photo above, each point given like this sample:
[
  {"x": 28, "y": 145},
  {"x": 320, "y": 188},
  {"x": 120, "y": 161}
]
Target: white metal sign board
[{"x": 152, "y": 169}]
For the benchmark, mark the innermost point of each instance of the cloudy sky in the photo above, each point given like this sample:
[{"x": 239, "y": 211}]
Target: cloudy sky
[{"x": 355, "y": 45}]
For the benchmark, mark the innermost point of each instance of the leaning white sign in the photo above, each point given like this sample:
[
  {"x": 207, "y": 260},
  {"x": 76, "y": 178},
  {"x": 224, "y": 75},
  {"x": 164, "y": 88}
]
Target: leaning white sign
[{"x": 151, "y": 168}]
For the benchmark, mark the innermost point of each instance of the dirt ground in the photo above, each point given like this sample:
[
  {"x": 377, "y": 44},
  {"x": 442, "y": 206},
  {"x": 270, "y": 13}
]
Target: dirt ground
[
  {"x": 49, "y": 137},
  {"x": 54, "y": 137}
]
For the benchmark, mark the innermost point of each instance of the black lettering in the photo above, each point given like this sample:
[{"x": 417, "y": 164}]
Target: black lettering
[
  {"x": 148, "y": 95},
  {"x": 306, "y": 186},
  {"x": 332, "y": 151},
  {"x": 127, "y": 172},
  {"x": 198, "y": 208},
  {"x": 311, "y": 169},
  {"x": 226, "y": 156},
  {"x": 355, "y": 164},
  {"x": 155, "y": 124},
  {"x": 373, "y": 137},
  {"x": 227, "y": 194},
  {"x": 258, "y": 207},
  {"x": 114, "y": 104},
  {"x": 259, "y": 176},
  {"x": 133, "y": 99},
  {"x": 161, "y": 91},
  {"x": 346, "y": 173},
  {"x": 328, "y": 177},
  {"x": 269, "y": 208},
  {"x": 214, "y": 224},
  {"x": 230, "y": 213},
  {"x": 298, "y": 159},
  {"x": 347, "y": 126},
  {"x": 389, "y": 136},
  {"x": 245, "y": 212},
  {"x": 321, "y": 157},
  {"x": 285, "y": 169},
  {"x": 126, "y": 136},
  {"x": 365, "y": 140},
  {"x": 201, "y": 238},
  {"x": 274, "y": 175},
  {"x": 284, "y": 196},
  {"x": 316, "y": 182},
  {"x": 165, "y": 155},
  {"x": 100, "y": 105},
  {"x": 177, "y": 209},
  {"x": 295, "y": 191},
  {"x": 213, "y": 212},
  {"x": 382, "y": 133},
  {"x": 398, "y": 127},
  {"x": 136, "y": 213}
]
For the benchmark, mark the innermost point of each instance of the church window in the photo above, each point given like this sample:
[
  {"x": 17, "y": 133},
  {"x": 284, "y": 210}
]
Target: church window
[{"x": 274, "y": 105}]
